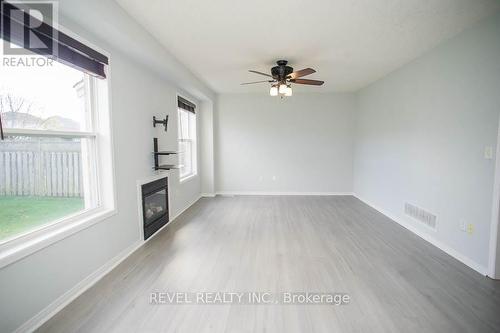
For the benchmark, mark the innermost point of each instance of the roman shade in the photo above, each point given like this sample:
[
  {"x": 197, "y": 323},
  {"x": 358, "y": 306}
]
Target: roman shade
[
  {"x": 185, "y": 104},
  {"x": 17, "y": 24}
]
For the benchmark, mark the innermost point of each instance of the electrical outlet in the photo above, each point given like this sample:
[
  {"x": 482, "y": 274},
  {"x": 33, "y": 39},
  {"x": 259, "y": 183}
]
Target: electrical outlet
[
  {"x": 463, "y": 226},
  {"x": 488, "y": 152},
  {"x": 470, "y": 228}
]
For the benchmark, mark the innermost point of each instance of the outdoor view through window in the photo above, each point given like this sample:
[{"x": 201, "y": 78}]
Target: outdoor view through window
[
  {"x": 187, "y": 143},
  {"x": 47, "y": 158}
]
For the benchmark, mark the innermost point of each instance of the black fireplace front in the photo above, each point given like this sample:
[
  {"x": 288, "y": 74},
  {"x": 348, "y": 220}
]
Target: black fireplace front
[{"x": 154, "y": 206}]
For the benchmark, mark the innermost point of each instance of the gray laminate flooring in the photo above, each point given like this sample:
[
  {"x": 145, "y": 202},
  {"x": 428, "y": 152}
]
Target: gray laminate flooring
[{"x": 397, "y": 282}]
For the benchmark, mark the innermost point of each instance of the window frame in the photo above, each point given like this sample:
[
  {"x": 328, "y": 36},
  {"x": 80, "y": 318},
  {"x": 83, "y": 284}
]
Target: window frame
[
  {"x": 102, "y": 173},
  {"x": 194, "y": 142}
]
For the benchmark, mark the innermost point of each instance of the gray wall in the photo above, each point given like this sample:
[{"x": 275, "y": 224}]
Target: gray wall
[
  {"x": 305, "y": 142},
  {"x": 137, "y": 93},
  {"x": 421, "y": 134}
]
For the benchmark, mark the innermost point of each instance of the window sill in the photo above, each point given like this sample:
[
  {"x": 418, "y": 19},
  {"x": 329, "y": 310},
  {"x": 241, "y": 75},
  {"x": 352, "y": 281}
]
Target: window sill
[
  {"x": 30, "y": 243},
  {"x": 187, "y": 178}
]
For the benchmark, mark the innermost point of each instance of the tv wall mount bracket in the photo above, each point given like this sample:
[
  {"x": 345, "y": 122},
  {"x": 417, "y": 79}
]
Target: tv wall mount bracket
[{"x": 163, "y": 122}]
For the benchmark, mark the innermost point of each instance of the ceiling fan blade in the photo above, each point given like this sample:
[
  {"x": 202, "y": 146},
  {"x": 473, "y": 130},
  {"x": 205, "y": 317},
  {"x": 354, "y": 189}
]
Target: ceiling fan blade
[
  {"x": 257, "y": 72},
  {"x": 309, "y": 82},
  {"x": 301, "y": 73},
  {"x": 268, "y": 81}
]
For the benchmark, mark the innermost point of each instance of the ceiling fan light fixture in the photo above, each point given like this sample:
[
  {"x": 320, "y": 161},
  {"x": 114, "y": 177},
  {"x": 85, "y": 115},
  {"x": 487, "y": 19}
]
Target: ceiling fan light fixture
[
  {"x": 283, "y": 88},
  {"x": 283, "y": 76},
  {"x": 273, "y": 91}
]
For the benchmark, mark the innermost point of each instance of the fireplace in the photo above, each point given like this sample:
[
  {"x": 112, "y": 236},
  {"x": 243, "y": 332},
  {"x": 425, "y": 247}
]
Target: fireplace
[{"x": 154, "y": 206}]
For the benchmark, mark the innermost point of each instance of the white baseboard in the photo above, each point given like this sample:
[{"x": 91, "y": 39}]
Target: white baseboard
[
  {"x": 208, "y": 195},
  {"x": 48, "y": 312},
  {"x": 443, "y": 247},
  {"x": 282, "y": 193},
  {"x": 53, "y": 308}
]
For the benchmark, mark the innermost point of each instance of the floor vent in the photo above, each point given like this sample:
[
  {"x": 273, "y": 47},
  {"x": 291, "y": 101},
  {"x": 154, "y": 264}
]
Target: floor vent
[{"x": 421, "y": 215}]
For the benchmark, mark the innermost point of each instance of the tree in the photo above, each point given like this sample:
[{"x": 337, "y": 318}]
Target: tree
[{"x": 17, "y": 111}]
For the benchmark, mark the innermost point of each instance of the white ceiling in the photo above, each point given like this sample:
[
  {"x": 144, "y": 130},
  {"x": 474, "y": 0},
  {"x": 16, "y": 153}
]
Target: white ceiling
[{"x": 350, "y": 43}]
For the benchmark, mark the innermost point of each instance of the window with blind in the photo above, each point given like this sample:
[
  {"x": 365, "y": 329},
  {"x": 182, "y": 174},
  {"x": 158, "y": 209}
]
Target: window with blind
[
  {"x": 49, "y": 116},
  {"x": 187, "y": 138}
]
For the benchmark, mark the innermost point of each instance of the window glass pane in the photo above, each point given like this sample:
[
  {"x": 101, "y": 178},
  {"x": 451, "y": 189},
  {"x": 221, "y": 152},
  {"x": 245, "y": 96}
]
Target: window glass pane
[
  {"x": 185, "y": 147},
  {"x": 189, "y": 158},
  {"x": 183, "y": 124},
  {"x": 50, "y": 97},
  {"x": 182, "y": 157},
  {"x": 187, "y": 143},
  {"x": 42, "y": 180},
  {"x": 192, "y": 126}
]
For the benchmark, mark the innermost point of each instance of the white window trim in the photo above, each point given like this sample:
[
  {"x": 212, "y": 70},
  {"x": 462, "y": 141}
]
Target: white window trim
[
  {"x": 35, "y": 240},
  {"x": 187, "y": 178},
  {"x": 30, "y": 242},
  {"x": 194, "y": 174},
  {"x": 44, "y": 133}
]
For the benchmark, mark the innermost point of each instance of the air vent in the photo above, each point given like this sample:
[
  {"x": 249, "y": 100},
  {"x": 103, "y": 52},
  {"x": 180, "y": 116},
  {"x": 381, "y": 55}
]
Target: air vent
[{"x": 421, "y": 215}]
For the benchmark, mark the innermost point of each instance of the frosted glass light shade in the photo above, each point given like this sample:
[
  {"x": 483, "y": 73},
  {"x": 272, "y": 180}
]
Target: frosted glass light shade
[
  {"x": 273, "y": 91},
  {"x": 283, "y": 88}
]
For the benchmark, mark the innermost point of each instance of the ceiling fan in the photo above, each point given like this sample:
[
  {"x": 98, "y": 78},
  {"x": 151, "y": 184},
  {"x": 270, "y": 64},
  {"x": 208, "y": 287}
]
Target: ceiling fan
[{"x": 283, "y": 76}]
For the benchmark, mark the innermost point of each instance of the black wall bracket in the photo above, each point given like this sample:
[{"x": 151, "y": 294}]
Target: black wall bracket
[
  {"x": 163, "y": 122},
  {"x": 157, "y": 153}
]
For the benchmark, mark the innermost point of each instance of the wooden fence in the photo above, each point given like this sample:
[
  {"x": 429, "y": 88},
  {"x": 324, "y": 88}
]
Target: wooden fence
[{"x": 41, "y": 169}]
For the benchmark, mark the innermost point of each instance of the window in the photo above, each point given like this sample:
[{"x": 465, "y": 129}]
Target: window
[
  {"x": 56, "y": 167},
  {"x": 187, "y": 138},
  {"x": 48, "y": 157}
]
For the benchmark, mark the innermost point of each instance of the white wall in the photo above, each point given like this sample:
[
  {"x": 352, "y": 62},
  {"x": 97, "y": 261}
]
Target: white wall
[
  {"x": 421, "y": 135},
  {"x": 206, "y": 165},
  {"x": 304, "y": 141},
  {"x": 137, "y": 93}
]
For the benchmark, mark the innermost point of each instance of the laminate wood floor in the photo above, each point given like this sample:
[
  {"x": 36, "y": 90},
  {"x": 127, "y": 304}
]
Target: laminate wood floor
[{"x": 397, "y": 282}]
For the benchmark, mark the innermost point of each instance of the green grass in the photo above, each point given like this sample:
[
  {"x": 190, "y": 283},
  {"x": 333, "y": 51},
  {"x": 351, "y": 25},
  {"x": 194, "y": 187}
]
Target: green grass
[{"x": 20, "y": 214}]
